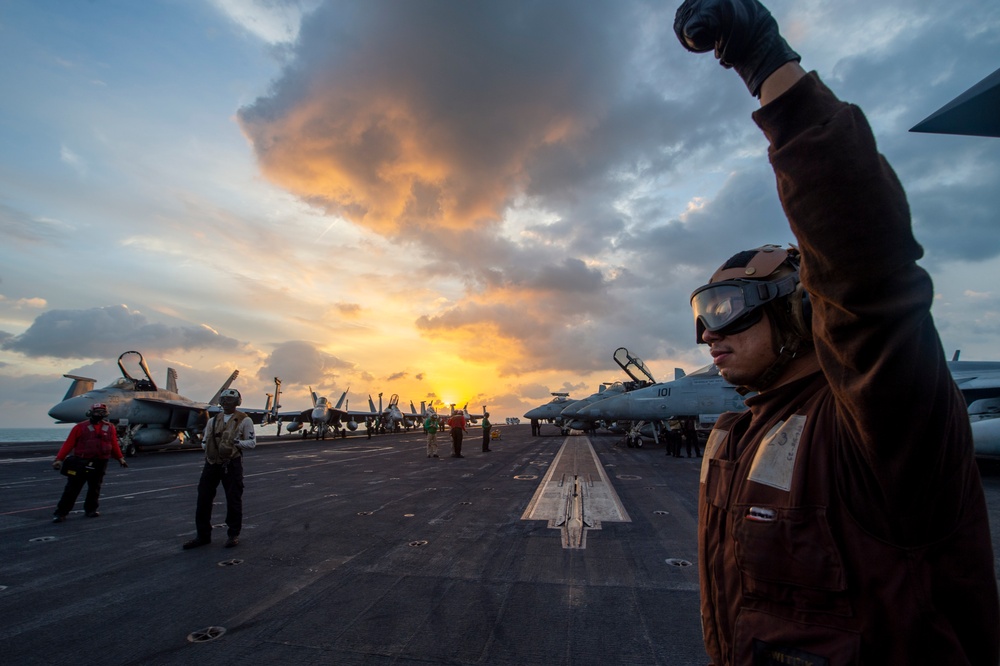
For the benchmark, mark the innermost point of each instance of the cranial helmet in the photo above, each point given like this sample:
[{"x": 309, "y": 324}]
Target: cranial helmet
[
  {"x": 735, "y": 297},
  {"x": 232, "y": 393},
  {"x": 98, "y": 409},
  {"x": 742, "y": 289}
]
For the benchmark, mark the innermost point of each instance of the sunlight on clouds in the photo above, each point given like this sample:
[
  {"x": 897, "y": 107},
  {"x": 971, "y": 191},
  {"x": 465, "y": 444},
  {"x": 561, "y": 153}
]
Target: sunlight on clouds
[
  {"x": 694, "y": 205},
  {"x": 36, "y": 303},
  {"x": 372, "y": 162}
]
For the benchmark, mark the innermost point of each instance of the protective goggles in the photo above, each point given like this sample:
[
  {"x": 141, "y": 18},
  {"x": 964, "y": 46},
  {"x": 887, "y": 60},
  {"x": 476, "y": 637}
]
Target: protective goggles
[{"x": 732, "y": 306}]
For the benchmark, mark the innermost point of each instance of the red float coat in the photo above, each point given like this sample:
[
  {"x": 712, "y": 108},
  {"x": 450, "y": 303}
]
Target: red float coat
[
  {"x": 89, "y": 441},
  {"x": 842, "y": 518}
]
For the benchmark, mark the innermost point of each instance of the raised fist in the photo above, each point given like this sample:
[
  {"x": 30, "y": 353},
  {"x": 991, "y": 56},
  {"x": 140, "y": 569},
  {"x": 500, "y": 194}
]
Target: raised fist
[{"x": 742, "y": 33}]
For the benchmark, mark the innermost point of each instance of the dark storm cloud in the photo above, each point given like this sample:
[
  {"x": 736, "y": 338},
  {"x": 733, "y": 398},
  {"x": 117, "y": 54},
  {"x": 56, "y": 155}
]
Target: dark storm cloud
[
  {"x": 300, "y": 362},
  {"x": 107, "y": 332}
]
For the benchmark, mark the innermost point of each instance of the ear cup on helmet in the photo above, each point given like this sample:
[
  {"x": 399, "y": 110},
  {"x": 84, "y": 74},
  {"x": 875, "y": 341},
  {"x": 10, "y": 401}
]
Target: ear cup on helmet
[{"x": 801, "y": 310}]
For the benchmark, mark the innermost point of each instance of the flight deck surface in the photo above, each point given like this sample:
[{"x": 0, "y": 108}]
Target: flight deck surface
[{"x": 358, "y": 551}]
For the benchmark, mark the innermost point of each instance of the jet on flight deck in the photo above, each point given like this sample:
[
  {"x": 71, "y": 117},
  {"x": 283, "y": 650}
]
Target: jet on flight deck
[
  {"x": 704, "y": 395},
  {"x": 322, "y": 418},
  {"x": 568, "y": 414},
  {"x": 147, "y": 416}
]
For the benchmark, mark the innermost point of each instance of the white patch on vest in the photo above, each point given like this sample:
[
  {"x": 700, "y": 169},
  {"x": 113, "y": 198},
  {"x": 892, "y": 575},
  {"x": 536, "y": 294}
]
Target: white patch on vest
[
  {"x": 760, "y": 514},
  {"x": 775, "y": 460},
  {"x": 714, "y": 439}
]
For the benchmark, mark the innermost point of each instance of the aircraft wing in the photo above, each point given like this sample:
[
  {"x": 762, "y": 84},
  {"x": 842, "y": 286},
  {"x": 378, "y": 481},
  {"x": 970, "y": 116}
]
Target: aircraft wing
[
  {"x": 257, "y": 416},
  {"x": 976, "y": 379},
  {"x": 304, "y": 416},
  {"x": 180, "y": 404}
]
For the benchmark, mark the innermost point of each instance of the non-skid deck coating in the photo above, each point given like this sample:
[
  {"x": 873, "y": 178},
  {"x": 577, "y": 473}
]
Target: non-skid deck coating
[{"x": 359, "y": 552}]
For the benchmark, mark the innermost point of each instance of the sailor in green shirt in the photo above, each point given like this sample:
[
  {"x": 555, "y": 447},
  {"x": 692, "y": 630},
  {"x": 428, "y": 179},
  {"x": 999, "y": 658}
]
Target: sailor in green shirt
[
  {"x": 431, "y": 428},
  {"x": 487, "y": 429}
]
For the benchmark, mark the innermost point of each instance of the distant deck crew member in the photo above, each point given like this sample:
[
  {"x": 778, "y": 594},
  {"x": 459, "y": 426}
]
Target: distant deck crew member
[
  {"x": 487, "y": 429},
  {"x": 457, "y": 426},
  {"x": 431, "y": 428}
]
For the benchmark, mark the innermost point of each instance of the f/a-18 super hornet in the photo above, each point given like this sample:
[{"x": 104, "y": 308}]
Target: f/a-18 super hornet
[
  {"x": 321, "y": 419},
  {"x": 147, "y": 416},
  {"x": 568, "y": 414},
  {"x": 703, "y": 394},
  {"x": 391, "y": 418}
]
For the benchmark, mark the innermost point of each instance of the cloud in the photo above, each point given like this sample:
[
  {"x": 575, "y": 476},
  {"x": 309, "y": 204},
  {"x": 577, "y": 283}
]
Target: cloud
[
  {"x": 20, "y": 226},
  {"x": 274, "y": 22},
  {"x": 32, "y": 303},
  {"x": 538, "y": 156},
  {"x": 407, "y": 115},
  {"x": 107, "y": 332},
  {"x": 300, "y": 362}
]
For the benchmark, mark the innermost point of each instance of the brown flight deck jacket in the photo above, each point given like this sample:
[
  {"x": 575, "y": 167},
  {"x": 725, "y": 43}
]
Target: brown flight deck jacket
[{"x": 842, "y": 518}]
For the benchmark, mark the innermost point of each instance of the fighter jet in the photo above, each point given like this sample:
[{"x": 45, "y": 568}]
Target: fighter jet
[
  {"x": 551, "y": 412},
  {"x": 322, "y": 418},
  {"x": 391, "y": 418},
  {"x": 703, "y": 394},
  {"x": 147, "y": 416}
]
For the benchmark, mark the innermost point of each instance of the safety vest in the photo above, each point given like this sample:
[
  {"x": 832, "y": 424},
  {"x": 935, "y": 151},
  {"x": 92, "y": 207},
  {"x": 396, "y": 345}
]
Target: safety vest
[
  {"x": 95, "y": 442},
  {"x": 221, "y": 437}
]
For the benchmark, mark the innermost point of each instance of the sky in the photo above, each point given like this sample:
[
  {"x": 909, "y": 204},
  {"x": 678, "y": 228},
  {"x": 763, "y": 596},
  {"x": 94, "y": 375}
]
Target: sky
[{"x": 452, "y": 201}]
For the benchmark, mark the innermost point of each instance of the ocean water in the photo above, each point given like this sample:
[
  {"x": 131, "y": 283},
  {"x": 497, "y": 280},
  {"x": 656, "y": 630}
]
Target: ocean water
[{"x": 48, "y": 434}]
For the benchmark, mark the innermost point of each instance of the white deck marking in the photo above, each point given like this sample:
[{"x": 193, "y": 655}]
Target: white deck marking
[{"x": 576, "y": 495}]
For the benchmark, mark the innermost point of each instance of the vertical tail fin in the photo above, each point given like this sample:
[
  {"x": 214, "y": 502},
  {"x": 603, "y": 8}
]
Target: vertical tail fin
[
  {"x": 172, "y": 380},
  {"x": 277, "y": 400},
  {"x": 79, "y": 386},
  {"x": 225, "y": 385}
]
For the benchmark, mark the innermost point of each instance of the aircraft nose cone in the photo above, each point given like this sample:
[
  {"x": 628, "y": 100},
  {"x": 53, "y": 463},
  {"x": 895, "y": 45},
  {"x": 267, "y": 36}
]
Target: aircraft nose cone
[
  {"x": 609, "y": 408},
  {"x": 535, "y": 413},
  {"x": 72, "y": 410}
]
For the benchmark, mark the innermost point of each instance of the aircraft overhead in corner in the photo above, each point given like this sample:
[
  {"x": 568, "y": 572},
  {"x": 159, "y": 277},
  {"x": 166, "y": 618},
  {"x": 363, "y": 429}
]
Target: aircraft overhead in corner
[{"x": 147, "y": 416}]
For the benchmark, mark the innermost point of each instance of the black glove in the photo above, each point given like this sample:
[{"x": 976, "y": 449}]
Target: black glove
[{"x": 743, "y": 34}]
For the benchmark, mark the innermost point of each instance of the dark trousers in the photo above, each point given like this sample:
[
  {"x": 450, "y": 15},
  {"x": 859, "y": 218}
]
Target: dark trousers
[
  {"x": 74, "y": 484},
  {"x": 486, "y": 439},
  {"x": 456, "y": 441},
  {"x": 230, "y": 474}
]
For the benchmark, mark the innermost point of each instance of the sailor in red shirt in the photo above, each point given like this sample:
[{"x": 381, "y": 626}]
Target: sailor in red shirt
[
  {"x": 457, "y": 425},
  {"x": 94, "y": 441}
]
